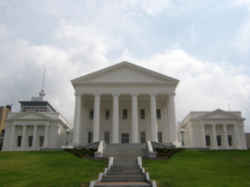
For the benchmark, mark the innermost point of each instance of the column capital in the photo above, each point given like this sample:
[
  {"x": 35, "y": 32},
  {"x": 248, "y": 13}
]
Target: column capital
[
  {"x": 97, "y": 94},
  {"x": 115, "y": 94},
  {"x": 153, "y": 94},
  {"x": 134, "y": 95}
]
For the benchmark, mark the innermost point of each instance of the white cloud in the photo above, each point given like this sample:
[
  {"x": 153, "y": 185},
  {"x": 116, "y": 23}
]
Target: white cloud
[
  {"x": 203, "y": 85},
  {"x": 24, "y": 61}
]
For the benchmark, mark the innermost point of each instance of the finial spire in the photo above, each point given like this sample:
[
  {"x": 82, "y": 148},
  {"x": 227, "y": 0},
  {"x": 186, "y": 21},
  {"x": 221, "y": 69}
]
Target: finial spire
[{"x": 42, "y": 92}]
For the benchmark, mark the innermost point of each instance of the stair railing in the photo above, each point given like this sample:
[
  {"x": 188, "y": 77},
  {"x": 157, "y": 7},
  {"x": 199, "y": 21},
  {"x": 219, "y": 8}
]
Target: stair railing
[
  {"x": 146, "y": 174},
  {"x": 100, "y": 150},
  {"x": 110, "y": 164},
  {"x": 151, "y": 153}
]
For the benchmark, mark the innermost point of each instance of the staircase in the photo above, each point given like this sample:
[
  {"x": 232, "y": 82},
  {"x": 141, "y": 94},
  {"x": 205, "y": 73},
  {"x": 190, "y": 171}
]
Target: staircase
[{"x": 125, "y": 170}]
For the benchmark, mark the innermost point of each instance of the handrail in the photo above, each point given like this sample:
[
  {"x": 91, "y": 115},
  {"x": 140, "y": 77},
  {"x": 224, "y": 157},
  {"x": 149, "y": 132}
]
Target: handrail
[
  {"x": 100, "y": 150},
  {"x": 150, "y": 147},
  {"x": 151, "y": 153},
  {"x": 146, "y": 174}
]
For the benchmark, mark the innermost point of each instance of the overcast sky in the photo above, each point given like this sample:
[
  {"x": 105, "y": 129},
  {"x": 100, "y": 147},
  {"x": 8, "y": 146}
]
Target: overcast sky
[{"x": 204, "y": 44}]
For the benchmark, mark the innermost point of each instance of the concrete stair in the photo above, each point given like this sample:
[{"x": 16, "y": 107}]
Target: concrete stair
[{"x": 125, "y": 171}]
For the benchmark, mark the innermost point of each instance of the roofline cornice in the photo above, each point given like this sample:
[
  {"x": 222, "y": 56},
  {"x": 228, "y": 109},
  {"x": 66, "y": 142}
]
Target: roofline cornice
[{"x": 119, "y": 65}]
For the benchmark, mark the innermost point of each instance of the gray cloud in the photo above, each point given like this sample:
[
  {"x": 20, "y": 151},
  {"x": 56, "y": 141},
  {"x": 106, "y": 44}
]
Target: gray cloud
[{"x": 204, "y": 44}]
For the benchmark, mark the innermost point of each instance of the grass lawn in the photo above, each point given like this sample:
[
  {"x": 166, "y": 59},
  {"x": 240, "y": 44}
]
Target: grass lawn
[
  {"x": 192, "y": 168},
  {"x": 42, "y": 169}
]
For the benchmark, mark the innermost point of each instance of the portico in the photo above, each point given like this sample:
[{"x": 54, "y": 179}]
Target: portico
[{"x": 124, "y": 101}]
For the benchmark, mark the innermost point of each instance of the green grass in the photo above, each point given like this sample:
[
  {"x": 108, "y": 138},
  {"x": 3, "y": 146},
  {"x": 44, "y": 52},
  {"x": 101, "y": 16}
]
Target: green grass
[
  {"x": 192, "y": 168},
  {"x": 47, "y": 169}
]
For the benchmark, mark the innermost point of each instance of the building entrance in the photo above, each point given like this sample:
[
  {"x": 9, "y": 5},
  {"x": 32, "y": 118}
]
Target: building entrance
[{"x": 125, "y": 138}]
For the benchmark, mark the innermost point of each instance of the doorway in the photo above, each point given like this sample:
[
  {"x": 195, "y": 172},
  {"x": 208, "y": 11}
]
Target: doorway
[{"x": 125, "y": 138}]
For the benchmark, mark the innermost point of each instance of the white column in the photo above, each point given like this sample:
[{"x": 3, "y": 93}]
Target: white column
[
  {"x": 24, "y": 138},
  {"x": 134, "y": 128},
  {"x": 236, "y": 137},
  {"x": 97, "y": 118},
  {"x": 46, "y": 135},
  {"x": 214, "y": 136},
  {"x": 154, "y": 125},
  {"x": 172, "y": 118},
  {"x": 34, "y": 143},
  {"x": 77, "y": 120},
  {"x": 13, "y": 137},
  {"x": 203, "y": 134},
  {"x": 115, "y": 128},
  {"x": 243, "y": 137},
  {"x": 226, "y": 145},
  {"x": 191, "y": 135}
]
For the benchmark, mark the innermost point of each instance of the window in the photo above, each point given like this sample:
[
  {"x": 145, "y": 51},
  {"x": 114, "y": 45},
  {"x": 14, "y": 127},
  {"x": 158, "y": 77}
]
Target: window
[
  {"x": 19, "y": 141},
  {"x": 90, "y": 137},
  {"x": 218, "y": 140},
  {"x": 208, "y": 140},
  {"x": 143, "y": 137},
  {"x": 107, "y": 114},
  {"x": 182, "y": 139},
  {"x": 91, "y": 114},
  {"x": 230, "y": 140},
  {"x": 41, "y": 141},
  {"x": 107, "y": 137},
  {"x": 30, "y": 140},
  {"x": 142, "y": 114},
  {"x": 160, "y": 137},
  {"x": 124, "y": 114},
  {"x": 158, "y": 113},
  {"x": 125, "y": 138}
]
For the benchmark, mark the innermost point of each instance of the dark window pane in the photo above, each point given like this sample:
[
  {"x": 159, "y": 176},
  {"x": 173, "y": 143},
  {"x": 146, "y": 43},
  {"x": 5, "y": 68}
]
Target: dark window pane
[
  {"x": 107, "y": 114},
  {"x": 107, "y": 137},
  {"x": 143, "y": 137},
  {"x": 208, "y": 140},
  {"x": 218, "y": 140},
  {"x": 91, "y": 114},
  {"x": 142, "y": 113},
  {"x": 158, "y": 113},
  {"x": 19, "y": 141},
  {"x": 182, "y": 139},
  {"x": 160, "y": 137},
  {"x": 230, "y": 140},
  {"x": 41, "y": 141},
  {"x": 90, "y": 137},
  {"x": 30, "y": 140},
  {"x": 124, "y": 114}
]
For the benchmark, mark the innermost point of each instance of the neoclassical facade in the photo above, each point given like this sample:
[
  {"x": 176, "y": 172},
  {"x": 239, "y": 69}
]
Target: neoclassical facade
[
  {"x": 37, "y": 126},
  {"x": 214, "y": 130},
  {"x": 124, "y": 103}
]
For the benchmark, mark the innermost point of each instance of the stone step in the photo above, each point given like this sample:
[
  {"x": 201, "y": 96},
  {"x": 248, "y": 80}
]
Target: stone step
[
  {"x": 123, "y": 178},
  {"x": 122, "y": 184},
  {"x": 124, "y": 173}
]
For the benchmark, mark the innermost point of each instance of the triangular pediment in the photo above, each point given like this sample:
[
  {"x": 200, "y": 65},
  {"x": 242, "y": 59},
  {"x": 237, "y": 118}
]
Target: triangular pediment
[
  {"x": 220, "y": 114},
  {"x": 125, "y": 73}
]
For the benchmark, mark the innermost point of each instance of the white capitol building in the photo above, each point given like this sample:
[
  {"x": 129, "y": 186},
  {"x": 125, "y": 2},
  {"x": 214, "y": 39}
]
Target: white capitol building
[{"x": 124, "y": 103}]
